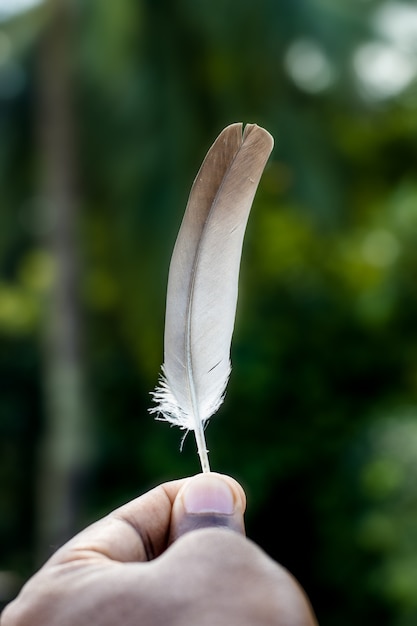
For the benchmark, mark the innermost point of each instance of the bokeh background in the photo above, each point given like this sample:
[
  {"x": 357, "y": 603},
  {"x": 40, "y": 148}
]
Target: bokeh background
[{"x": 106, "y": 111}]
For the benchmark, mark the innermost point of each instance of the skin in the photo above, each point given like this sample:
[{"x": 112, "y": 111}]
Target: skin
[{"x": 175, "y": 556}]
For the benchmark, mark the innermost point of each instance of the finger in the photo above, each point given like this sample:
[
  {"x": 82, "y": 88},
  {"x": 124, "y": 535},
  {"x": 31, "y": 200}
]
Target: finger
[
  {"x": 137, "y": 531},
  {"x": 208, "y": 500},
  {"x": 219, "y": 577}
]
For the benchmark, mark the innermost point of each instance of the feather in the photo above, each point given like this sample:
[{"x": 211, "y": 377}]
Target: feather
[{"x": 203, "y": 281}]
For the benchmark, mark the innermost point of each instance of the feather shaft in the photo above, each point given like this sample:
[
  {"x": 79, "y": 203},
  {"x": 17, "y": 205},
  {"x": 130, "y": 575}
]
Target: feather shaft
[{"x": 203, "y": 281}]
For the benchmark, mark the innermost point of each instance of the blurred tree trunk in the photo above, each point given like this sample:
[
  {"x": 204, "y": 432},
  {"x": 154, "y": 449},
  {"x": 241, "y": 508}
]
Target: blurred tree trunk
[{"x": 66, "y": 449}]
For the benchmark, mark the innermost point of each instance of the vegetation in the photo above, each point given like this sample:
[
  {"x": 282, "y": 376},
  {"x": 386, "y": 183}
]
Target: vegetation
[{"x": 106, "y": 110}]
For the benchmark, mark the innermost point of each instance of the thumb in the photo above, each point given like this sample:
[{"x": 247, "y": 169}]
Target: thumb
[{"x": 208, "y": 500}]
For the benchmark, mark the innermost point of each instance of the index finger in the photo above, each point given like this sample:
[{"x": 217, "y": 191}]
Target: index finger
[{"x": 136, "y": 531}]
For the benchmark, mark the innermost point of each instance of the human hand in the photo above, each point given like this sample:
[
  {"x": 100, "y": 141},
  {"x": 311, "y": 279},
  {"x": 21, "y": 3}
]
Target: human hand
[{"x": 176, "y": 556}]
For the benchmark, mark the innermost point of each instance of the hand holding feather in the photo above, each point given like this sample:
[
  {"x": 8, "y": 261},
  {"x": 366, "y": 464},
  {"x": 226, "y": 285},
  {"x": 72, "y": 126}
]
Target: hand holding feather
[
  {"x": 203, "y": 280},
  {"x": 121, "y": 570}
]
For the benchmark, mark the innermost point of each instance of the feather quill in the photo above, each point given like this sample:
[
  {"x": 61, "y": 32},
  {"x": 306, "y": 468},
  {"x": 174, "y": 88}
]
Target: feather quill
[{"x": 203, "y": 281}]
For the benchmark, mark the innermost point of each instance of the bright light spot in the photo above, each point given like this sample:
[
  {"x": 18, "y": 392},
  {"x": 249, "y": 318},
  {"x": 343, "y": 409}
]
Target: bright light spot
[
  {"x": 397, "y": 22},
  {"x": 10, "y": 8},
  {"x": 380, "y": 248},
  {"x": 383, "y": 70},
  {"x": 308, "y": 66}
]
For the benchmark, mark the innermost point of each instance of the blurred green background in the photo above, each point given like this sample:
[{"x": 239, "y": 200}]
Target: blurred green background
[{"x": 106, "y": 111}]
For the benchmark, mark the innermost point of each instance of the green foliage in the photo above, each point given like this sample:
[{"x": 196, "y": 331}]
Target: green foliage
[{"x": 319, "y": 422}]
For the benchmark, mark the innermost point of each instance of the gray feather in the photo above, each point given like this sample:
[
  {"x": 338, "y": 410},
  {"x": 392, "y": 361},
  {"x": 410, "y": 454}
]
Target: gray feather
[{"x": 203, "y": 279}]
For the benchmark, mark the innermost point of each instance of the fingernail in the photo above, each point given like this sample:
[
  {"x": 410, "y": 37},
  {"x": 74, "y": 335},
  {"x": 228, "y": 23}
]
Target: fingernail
[{"x": 208, "y": 494}]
